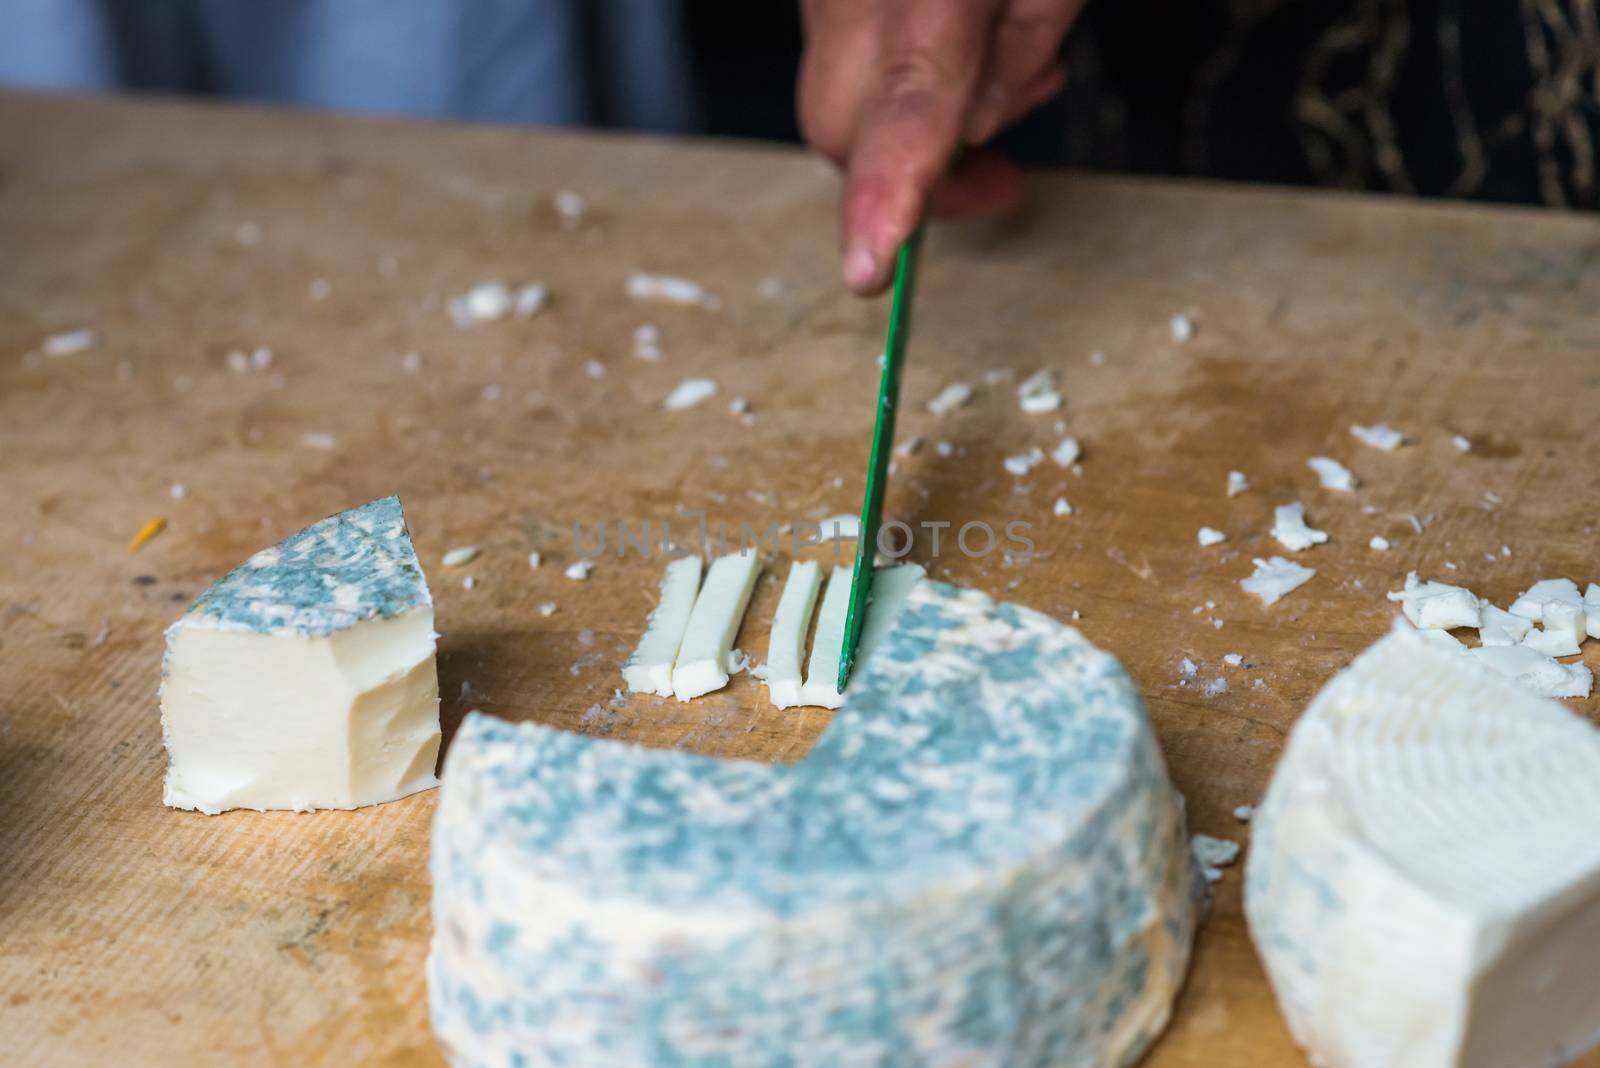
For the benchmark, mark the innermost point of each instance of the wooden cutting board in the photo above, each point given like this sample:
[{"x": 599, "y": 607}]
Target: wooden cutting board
[{"x": 136, "y": 935}]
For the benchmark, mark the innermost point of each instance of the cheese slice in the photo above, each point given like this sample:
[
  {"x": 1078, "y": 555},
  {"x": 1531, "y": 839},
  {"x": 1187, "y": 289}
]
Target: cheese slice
[
  {"x": 305, "y": 678},
  {"x": 649, "y": 669},
  {"x": 787, "y": 647},
  {"x": 827, "y": 645},
  {"x": 1423, "y": 883},
  {"x": 982, "y": 862},
  {"x": 702, "y": 664},
  {"x": 890, "y": 588}
]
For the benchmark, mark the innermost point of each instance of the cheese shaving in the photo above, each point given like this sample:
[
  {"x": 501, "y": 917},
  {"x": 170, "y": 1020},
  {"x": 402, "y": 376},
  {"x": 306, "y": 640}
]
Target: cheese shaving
[{"x": 1275, "y": 578}]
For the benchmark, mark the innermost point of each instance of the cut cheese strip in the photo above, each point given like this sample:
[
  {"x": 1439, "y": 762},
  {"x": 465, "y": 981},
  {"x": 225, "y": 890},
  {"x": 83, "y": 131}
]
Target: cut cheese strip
[
  {"x": 890, "y": 588},
  {"x": 822, "y": 673},
  {"x": 702, "y": 664},
  {"x": 787, "y": 647},
  {"x": 649, "y": 669}
]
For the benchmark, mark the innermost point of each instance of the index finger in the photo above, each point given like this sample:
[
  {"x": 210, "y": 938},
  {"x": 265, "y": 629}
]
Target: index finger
[{"x": 930, "y": 56}]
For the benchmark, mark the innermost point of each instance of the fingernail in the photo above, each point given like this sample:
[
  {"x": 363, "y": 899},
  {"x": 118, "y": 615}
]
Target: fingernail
[{"x": 860, "y": 266}]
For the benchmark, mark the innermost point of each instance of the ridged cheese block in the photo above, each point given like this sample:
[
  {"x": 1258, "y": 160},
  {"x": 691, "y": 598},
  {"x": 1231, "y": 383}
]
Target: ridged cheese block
[
  {"x": 1424, "y": 874},
  {"x": 982, "y": 863},
  {"x": 305, "y": 677}
]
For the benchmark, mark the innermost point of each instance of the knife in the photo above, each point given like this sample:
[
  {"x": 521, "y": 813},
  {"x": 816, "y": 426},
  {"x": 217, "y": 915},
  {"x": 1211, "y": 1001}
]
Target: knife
[{"x": 894, "y": 354}]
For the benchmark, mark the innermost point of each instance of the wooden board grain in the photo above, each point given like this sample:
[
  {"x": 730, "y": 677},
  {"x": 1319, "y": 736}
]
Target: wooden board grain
[{"x": 137, "y": 935}]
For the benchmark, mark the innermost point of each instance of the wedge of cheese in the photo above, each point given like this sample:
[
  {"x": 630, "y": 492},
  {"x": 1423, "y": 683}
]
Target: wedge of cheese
[
  {"x": 1424, "y": 876},
  {"x": 305, "y": 678},
  {"x": 982, "y": 862}
]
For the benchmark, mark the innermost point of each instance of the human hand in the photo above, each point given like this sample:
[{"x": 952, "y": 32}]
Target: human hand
[{"x": 890, "y": 88}]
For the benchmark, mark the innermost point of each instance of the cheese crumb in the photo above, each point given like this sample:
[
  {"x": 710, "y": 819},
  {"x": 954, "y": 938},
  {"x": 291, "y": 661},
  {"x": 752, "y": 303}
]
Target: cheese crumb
[
  {"x": 1038, "y": 392},
  {"x": 530, "y": 300},
  {"x": 909, "y": 446},
  {"x": 535, "y": 559},
  {"x": 1066, "y": 454},
  {"x": 318, "y": 439},
  {"x": 1290, "y": 529},
  {"x": 1333, "y": 474},
  {"x": 461, "y": 554},
  {"x": 579, "y": 571},
  {"x": 1436, "y": 605},
  {"x": 1462, "y": 442},
  {"x": 178, "y": 490},
  {"x": 1275, "y": 578},
  {"x": 1215, "y": 687},
  {"x": 739, "y": 406},
  {"x": 1209, "y": 536},
  {"x": 411, "y": 363},
  {"x": 1244, "y": 813},
  {"x": 1022, "y": 463},
  {"x": 1562, "y": 631},
  {"x": 468, "y": 583},
  {"x": 1378, "y": 544},
  {"x": 1183, "y": 328},
  {"x": 1233, "y": 660},
  {"x": 1097, "y": 358},
  {"x": 950, "y": 398},
  {"x": 485, "y": 302},
  {"x": 1214, "y": 854},
  {"x": 570, "y": 207},
  {"x": 690, "y": 392},
  {"x": 549, "y": 608},
  {"x": 944, "y": 449},
  {"x": 1379, "y": 437},
  {"x": 594, "y": 369},
  {"x": 647, "y": 342},
  {"x": 1188, "y": 668},
  {"x": 1532, "y": 602},
  {"x": 1237, "y": 483},
  {"x": 671, "y": 290},
  {"x": 1062, "y": 507}
]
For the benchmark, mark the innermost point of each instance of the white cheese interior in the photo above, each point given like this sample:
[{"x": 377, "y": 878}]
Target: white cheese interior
[
  {"x": 1424, "y": 875},
  {"x": 288, "y": 720},
  {"x": 649, "y": 669},
  {"x": 713, "y": 624},
  {"x": 787, "y": 647}
]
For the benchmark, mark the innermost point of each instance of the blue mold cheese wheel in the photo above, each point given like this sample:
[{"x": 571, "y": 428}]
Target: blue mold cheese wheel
[{"x": 982, "y": 862}]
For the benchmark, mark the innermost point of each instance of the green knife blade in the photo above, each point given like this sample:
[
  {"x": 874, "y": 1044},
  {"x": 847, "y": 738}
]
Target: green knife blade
[{"x": 894, "y": 354}]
